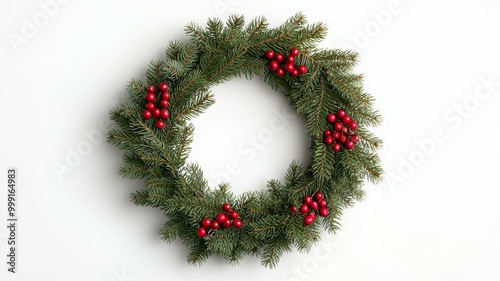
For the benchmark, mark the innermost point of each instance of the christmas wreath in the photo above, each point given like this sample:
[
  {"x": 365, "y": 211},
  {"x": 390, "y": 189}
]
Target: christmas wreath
[{"x": 155, "y": 134}]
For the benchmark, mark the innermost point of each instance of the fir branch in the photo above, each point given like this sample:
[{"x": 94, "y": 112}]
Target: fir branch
[
  {"x": 188, "y": 55},
  {"x": 195, "y": 32},
  {"x": 273, "y": 251},
  {"x": 317, "y": 109},
  {"x": 218, "y": 244},
  {"x": 231, "y": 65},
  {"x": 173, "y": 69},
  {"x": 274, "y": 188},
  {"x": 173, "y": 49},
  {"x": 313, "y": 34},
  {"x": 302, "y": 239},
  {"x": 332, "y": 222},
  {"x": 340, "y": 83},
  {"x": 214, "y": 28},
  {"x": 173, "y": 229},
  {"x": 369, "y": 140},
  {"x": 304, "y": 187},
  {"x": 293, "y": 174},
  {"x": 236, "y": 22},
  {"x": 304, "y": 92},
  {"x": 158, "y": 196},
  {"x": 198, "y": 254},
  {"x": 163, "y": 182},
  {"x": 323, "y": 162},
  {"x": 206, "y": 64},
  {"x": 235, "y": 256},
  {"x": 195, "y": 184},
  {"x": 369, "y": 163},
  {"x": 132, "y": 171},
  {"x": 140, "y": 197},
  {"x": 282, "y": 32},
  {"x": 195, "y": 80},
  {"x": 155, "y": 143},
  {"x": 135, "y": 89},
  {"x": 153, "y": 74},
  {"x": 185, "y": 140},
  {"x": 333, "y": 60},
  {"x": 256, "y": 26}
]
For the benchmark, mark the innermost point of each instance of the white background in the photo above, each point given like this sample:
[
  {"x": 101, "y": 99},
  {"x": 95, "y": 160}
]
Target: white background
[{"x": 435, "y": 217}]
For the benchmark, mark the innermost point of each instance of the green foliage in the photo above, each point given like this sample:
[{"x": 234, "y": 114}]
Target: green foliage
[{"x": 215, "y": 54}]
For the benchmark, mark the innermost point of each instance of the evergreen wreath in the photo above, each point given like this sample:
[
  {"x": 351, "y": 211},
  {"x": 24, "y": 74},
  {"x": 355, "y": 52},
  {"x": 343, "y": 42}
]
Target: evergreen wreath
[{"x": 155, "y": 134}]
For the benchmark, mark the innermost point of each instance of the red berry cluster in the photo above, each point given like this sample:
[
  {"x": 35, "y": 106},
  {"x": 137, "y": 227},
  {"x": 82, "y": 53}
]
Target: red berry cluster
[
  {"x": 225, "y": 219},
  {"x": 310, "y": 204},
  {"x": 342, "y": 132},
  {"x": 161, "y": 113},
  {"x": 280, "y": 64}
]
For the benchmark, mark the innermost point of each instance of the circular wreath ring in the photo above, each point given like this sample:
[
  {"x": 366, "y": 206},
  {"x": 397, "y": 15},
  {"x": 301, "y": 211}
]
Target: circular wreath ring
[{"x": 154, "y": 132}]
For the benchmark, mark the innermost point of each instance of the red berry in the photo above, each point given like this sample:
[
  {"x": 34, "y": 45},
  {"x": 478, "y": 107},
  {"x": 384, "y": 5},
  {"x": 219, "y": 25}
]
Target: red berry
[
  {"x": 304, "y": 209},
  {"x": 273, "y": 65},
  {"x": 354, "y": 138},
  {"x": 327, "y": 133},
  {"x": 150, "y": 97},
  {"x": 353, "y": 125},
  {"x": 206, "y": 222},
  {"x": 349, "y": 145},
  {"x": 342, "y": 139},
  {"x": 164, "y": 114},
  {"x": 302, "y": 69},
  {"x": 336, "y": 135},
  {"x": 323, "y": 212},
  {"x": 165, "y": 95},
  {"x": 294, "y": 209},
  {"x": 164, "y": 103},
  {"x": 221, "y": 217},
  {"x": 215, "y": 225},
  {"x": 307, "y": 200},
  {"x": 328, "y": 140},
  {"x": 278, "y": 57},
  {"x": 290, "y": 59},
  {"x": 227, "y": 223},
  {"x": 226, "y": 207},
  {"x": 160, "y": 124},
  {"x": 338, "y": 126},
  {"x": 294, "y": 73},
  {"x": 308, "y": 220},
  {"x": 331, "y": 118},
  {"x": 341, "y": 113},
  {"x": 146, "y": 114},
  {"x": 269, "y": 54},
  {"x": 234, "y": 215},
  {"x": 289, "y": 67},
  {"x": 312, "y": 214},
  {"x": 294, "y": 52},
  {"x": 314, "y": 205},
  {"x": 318, "y": 196},
  {"x": 150, "y": 106},
  {"x": 336, "y": 147},
  {"x": 346, "y": 119},
  {"x": 237, "y": 223},
  {"x": 156, "y": 112},
  {"x": 280, "y": 71},
  {"x": 322, "y": 204},
  {"x": 150, "y": 89},
  {"x": 201, "y": 232},
  {"x": 163, "y": 87},
  {"x": 345, "y": 131}
]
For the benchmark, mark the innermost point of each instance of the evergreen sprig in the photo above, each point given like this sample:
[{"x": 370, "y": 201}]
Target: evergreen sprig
[{"x": 213, "y": 55}]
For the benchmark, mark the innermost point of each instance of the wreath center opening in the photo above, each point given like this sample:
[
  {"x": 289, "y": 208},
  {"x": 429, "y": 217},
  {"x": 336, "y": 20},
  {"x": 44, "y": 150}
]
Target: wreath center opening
[{"x": 250, "y": 135}]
